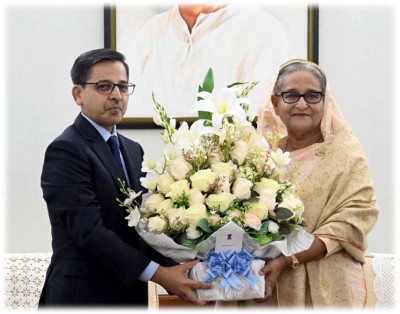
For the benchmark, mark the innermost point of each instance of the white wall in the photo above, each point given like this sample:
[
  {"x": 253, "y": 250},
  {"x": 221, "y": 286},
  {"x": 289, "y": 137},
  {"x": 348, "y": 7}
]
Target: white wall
[{"x": 356, "y": 50}]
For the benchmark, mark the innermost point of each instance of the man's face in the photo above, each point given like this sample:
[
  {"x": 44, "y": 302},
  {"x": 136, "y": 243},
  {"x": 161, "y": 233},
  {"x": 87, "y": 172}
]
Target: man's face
[{"x": 106, "y": 110}]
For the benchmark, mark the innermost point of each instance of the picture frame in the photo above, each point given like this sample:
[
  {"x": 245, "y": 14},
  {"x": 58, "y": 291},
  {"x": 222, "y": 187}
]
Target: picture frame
[{"x": 113, "y": 35}]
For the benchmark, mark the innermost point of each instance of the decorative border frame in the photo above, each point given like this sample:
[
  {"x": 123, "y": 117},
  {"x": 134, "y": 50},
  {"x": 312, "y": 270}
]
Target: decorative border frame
[{"x": 110, "y": 41}]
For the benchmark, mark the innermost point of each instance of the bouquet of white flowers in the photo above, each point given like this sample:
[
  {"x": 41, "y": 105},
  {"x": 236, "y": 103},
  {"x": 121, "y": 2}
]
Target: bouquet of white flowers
[{"x": 216, "y": 194}]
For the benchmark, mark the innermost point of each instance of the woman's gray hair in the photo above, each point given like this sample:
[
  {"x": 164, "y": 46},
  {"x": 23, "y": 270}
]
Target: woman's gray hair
[{"x": 299, "y": 66}]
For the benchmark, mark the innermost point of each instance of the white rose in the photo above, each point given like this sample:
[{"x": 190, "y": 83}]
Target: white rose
[
  {"x": 157, "y": 225},
  {"x": 202, "y": 179},
  {"x": 239, "y": 152},
  {"x": 193, "y": 233},
  {"x": 292, "y": 203},
  {"x": 214, "y": 219},
  {"x": 252, "y": 221},
  {"x": 235, "y": 213},
  {"x": 258, "y": 208},
  {"x": 164, "y": 206},
  {"x": 163, "y": 182},
  {"x": 273, "y": 227},
  {"x": 153, "y": 201},
  {"x": 242, "y": 188},
  {"x": 223, "y": 168},
  {"x": 179, "y": 168},
  {"x": 268, "y": 184},
  {"x": 177, "y": 219},
  {"x": 195, "y": 197},
  {"x": 178, "y": 188},
  {"x": 268, "y": 197},
  {"x": 195, "y": 213},
  {"x": 220, "y": 202}
]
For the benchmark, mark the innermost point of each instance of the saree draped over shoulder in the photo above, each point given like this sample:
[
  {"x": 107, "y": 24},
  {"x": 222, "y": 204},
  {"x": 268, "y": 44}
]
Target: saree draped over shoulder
[{"x": 336, "y": 187}]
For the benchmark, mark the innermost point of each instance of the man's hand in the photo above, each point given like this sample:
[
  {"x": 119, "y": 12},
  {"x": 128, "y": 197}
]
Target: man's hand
[{"x": 175, "y": 280}]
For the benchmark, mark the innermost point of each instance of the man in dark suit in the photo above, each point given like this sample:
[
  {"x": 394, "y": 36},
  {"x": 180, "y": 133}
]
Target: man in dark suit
[{"x": 97, "y": 259}]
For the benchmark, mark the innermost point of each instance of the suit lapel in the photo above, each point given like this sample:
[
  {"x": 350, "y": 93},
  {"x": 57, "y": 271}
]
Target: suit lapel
[{"x": 98, "y": 145}]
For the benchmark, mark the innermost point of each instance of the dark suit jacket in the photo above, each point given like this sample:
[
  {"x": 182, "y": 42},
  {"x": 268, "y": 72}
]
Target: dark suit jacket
[{"x": 96, "y": 258}]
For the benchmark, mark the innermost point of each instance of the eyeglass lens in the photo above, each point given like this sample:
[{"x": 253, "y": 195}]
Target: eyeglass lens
[
  {"x": 311, "y": 97},
  {"x": 108, "y": 87}
]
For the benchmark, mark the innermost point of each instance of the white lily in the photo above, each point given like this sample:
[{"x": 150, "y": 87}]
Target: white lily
[
  {"x": 172, "y": 152},
  {"x": 280, "y": 158},
  {"x": 185, "y": 137},
  {"x": 225, "y": 103},
  {"x": 151, "y": 164},
  {"x": 150, "y": 181}
]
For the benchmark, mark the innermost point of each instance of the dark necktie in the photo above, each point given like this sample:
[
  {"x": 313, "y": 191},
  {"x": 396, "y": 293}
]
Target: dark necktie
[{"x": 113, "y": 143}]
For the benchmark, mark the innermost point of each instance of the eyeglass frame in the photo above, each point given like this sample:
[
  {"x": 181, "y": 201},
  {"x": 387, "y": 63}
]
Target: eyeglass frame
[
  {"x": 112, "y": 89},
  {"x": 282, "y": 94}
]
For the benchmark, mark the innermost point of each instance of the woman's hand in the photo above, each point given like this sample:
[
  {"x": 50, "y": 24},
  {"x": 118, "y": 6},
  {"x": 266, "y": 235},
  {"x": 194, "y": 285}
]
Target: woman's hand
[{"x": 271, "y": 271}]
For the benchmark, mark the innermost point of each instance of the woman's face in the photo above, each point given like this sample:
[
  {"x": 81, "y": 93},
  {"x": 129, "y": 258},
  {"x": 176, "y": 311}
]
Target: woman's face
[{"x": 300, "y": 117}]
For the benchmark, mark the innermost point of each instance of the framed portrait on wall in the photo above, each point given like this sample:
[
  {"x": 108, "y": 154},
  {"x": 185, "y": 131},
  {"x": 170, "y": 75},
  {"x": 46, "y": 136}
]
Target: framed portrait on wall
[{"x": 169, "y": 53}]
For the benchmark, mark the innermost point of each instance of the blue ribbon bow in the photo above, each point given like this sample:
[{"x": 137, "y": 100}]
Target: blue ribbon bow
[{"x": 227, "y": 264}]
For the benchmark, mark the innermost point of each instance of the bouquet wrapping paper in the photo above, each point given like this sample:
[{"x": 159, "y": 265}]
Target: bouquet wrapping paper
[
  {"x": 293, "y": 243},
  {"x": 244, "y": 291}
]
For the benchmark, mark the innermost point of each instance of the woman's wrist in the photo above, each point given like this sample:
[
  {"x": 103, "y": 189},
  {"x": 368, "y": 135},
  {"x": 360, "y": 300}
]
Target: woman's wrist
[{"x": 285, "y": 261}]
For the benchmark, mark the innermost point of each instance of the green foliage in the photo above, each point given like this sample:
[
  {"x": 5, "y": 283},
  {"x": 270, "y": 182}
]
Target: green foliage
[
  {"x": 283, "y": 213},
  {"x": 208, "y": 86},
  {"x": 182, "y": 200},
  {"x": 208, "y": 82},
  {"x": 203, "y": 224}
]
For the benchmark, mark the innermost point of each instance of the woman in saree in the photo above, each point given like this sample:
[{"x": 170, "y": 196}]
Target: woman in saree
[{"x": 333, "y": 179}]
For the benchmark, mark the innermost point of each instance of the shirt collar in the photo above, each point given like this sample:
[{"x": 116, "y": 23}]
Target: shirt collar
[{"x": 103, "y": 132}]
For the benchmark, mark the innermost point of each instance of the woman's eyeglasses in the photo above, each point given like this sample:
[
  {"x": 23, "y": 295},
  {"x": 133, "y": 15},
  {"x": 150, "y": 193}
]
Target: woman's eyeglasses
[{"x": 293, "y": 97}]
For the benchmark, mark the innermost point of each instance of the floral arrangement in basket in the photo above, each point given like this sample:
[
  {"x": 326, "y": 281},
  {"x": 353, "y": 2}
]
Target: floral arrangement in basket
[{"x": 217, "y": 175}]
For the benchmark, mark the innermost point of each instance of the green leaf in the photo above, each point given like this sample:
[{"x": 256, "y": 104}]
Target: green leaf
[
  {"x": 205, "y": 115},
  {"x": 236, "y": 83},
  {"x": 208, "y": 82},
  {"x": 264, "y": 239},
  {"x": 277, "y": 236},
  {"x": 284, "y": 229},
  {"x": 203, "y": 224},
  {"x": 185, "y": 241},
  {"x": 264, "y": 227},
  {"x": 283, "y": 213}
]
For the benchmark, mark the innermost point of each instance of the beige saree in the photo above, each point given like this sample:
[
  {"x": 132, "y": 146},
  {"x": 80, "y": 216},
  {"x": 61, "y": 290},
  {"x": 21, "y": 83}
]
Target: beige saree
[{"x": 335, "y": 184}]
